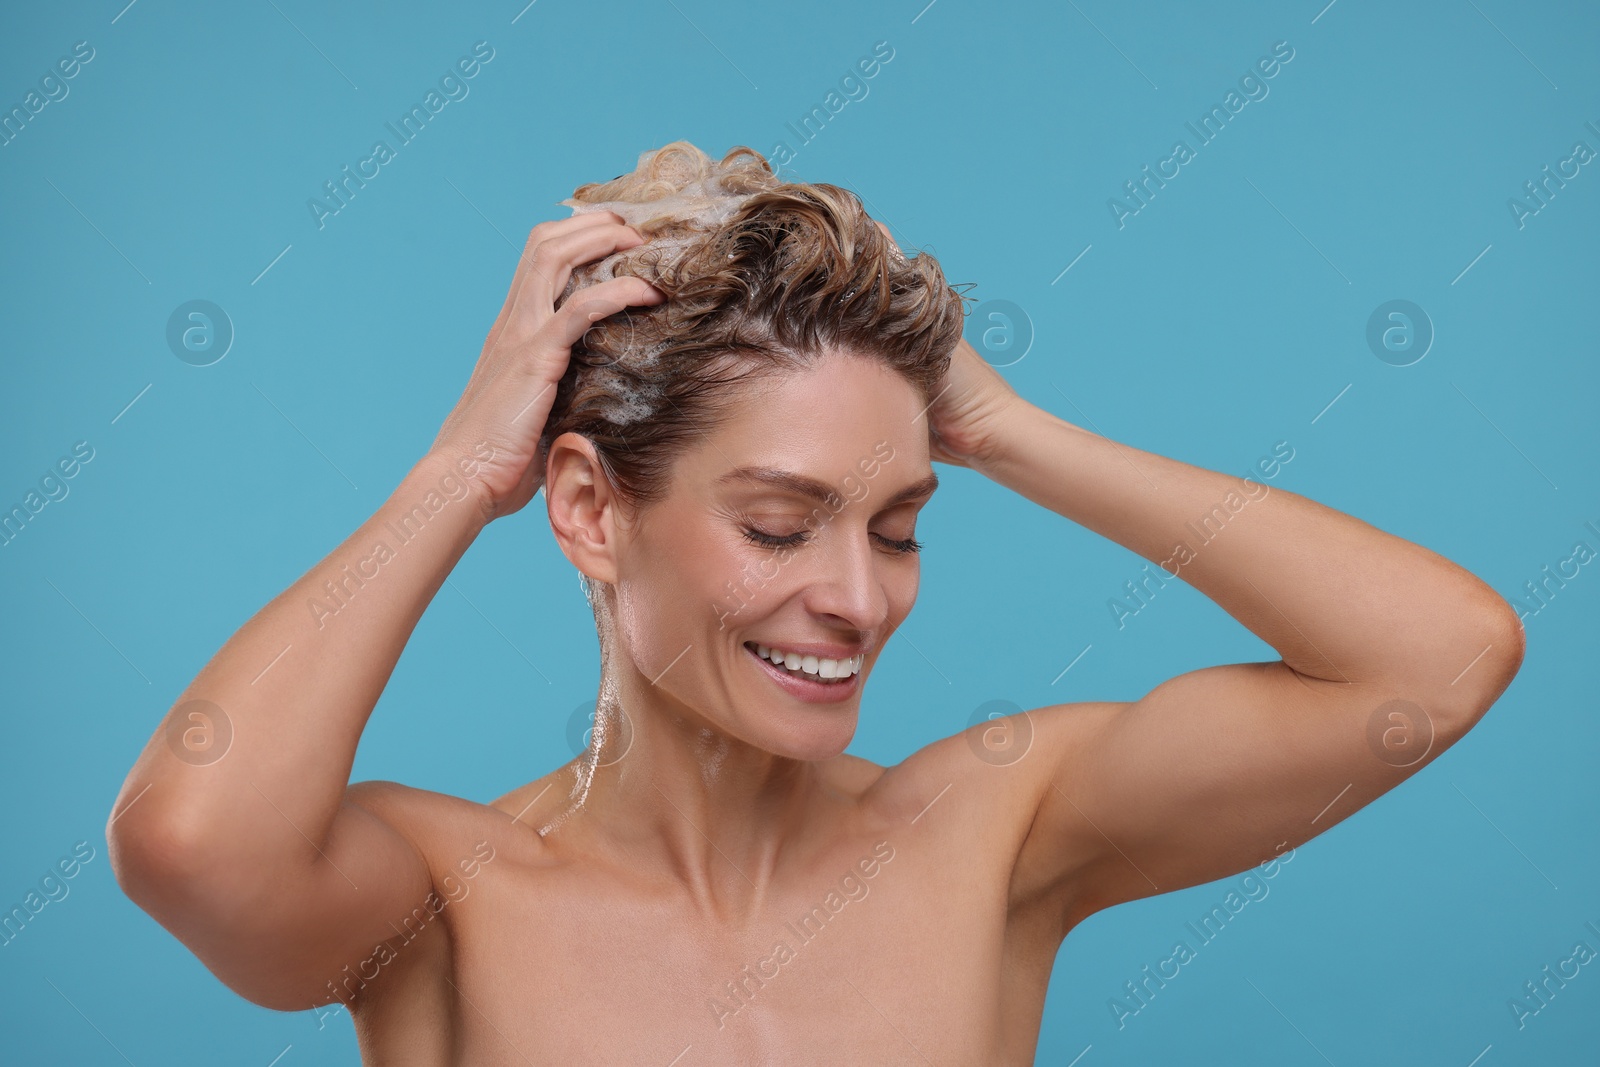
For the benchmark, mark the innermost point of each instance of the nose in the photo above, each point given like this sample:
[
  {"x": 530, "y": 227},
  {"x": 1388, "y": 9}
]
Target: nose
[{"x": 846, "y": 582}]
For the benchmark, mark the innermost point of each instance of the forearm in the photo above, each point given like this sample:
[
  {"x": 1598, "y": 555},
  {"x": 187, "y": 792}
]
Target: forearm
[
  {"x": 1337, "y": 598},
  {"x": 296, "y": 684}
]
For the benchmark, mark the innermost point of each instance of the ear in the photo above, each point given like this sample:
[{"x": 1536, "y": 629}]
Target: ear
[{"x": 584, "y": 511}]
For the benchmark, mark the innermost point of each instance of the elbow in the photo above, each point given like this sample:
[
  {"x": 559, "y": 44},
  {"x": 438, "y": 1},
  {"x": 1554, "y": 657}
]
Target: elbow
[
  {"x": 156, "y": 854},
  {"x": 1500, "y": 646},
  {"x": 1515, "y": 642},
  {"x": 1505, "y": 643},
  {"x": 232, "y": 916}
]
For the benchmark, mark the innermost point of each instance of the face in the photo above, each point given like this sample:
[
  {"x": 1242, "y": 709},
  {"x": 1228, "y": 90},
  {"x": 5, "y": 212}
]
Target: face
[{"x": 791, "y": 527}]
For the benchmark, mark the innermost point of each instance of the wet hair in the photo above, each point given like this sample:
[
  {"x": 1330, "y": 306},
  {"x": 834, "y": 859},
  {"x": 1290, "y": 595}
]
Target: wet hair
[{"x": 761, "y": 276}]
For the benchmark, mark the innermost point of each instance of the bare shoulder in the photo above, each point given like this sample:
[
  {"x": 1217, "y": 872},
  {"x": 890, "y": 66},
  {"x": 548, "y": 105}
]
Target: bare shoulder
[
  {"x": 855, "y": 776},
  {"x": 410, "y": 808},
  {"x": 1012, "y": 757},
  {"x": 446, "y": 830},
  {"x": 991, "y": 779}
]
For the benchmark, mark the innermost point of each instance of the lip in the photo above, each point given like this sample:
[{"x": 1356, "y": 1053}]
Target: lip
[
  {"x": 804, "y": 689},
  {"x": 819, "y": 651}
]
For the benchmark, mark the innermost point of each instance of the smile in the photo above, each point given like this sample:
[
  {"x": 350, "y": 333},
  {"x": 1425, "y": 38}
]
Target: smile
[{"x": 810, "y": 685}]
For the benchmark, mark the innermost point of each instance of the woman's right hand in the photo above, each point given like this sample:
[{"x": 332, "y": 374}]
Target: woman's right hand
[{"x": 501, "y": 415}]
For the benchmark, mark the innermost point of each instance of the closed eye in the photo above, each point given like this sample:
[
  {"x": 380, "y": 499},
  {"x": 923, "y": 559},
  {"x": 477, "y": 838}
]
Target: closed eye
[{"x": 767, "y": 540}]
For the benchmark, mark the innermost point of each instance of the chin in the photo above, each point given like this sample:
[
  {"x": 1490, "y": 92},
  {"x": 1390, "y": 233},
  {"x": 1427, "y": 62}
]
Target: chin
[{"x": 808, "y": 735}]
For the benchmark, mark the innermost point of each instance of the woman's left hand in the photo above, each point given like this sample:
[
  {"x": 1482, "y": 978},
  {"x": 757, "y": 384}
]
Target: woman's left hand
[
  {"x": 969, "y": 405},
  {"x": 969, "y": 408}
]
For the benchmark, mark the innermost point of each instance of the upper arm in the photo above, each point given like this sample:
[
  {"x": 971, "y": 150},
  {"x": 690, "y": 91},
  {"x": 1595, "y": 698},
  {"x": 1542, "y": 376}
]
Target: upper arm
[
  {"x": 281, "y": 937},
  {"x": 1219, "y": 769}
]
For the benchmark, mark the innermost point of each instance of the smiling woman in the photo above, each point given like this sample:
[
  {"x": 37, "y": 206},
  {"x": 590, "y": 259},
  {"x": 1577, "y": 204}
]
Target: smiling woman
[
  {"x": 712, "y": 373},
  {"x": 782, "y": 301}
]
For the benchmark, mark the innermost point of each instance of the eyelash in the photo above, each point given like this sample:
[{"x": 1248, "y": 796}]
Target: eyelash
[{"x": 766, "y": 540}]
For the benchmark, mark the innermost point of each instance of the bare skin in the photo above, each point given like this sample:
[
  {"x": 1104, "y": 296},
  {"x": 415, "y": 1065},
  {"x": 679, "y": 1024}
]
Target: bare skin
[{"x": 714, "y": 881}]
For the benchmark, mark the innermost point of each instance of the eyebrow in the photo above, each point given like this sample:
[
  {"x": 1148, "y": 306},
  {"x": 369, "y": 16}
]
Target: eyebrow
[{"x": 800, "y": 485}]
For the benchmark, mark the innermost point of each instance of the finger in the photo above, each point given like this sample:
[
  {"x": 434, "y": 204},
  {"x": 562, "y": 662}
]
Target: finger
[
  {"x": 556, "y": 259},
  {"x": 593, "y": 303},
  {"x": 553, "y": 230},
  {"x": 563, "y": 253},
  {"x": 540, "y": 233}
]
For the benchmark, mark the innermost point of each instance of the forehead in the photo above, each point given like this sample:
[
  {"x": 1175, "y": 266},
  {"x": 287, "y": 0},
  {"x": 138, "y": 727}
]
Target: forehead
[
  {"x": 839, "y": 397},
  {"x": 824, "y": 417}
]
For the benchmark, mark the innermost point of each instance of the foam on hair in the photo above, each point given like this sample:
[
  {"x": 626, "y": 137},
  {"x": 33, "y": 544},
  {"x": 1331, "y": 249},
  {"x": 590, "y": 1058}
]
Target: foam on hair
[
  {"x": 675, "y": 198},
  {"x": 761, "y": 276}
]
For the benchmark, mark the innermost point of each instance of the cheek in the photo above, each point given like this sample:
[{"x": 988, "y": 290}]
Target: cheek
[
  {"x": 900, "y": 589},
  {"x": 900, "y": 586},
  {"x": 644, "y": 611},
  {"x": 669, "y": 597}
]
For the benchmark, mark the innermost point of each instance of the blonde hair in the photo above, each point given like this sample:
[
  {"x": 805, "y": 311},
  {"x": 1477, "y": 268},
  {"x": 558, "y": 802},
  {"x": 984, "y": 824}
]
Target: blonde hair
[{"x": 760, "y": 276}]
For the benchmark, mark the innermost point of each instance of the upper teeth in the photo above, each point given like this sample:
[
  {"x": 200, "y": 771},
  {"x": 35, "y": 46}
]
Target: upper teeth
[{"x": 822, "y": 668}]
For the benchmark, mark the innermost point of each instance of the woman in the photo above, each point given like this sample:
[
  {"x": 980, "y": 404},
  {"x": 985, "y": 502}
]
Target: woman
[{"x": 732, "y": 407}]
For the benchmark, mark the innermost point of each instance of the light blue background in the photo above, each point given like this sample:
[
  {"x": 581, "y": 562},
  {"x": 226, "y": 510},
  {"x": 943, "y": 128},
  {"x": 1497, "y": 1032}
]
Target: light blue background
[{"x": 1221, "y": 319}]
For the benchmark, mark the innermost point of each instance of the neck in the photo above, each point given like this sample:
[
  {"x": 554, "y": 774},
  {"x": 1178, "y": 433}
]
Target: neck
[{"x": 660, "y": 789}]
